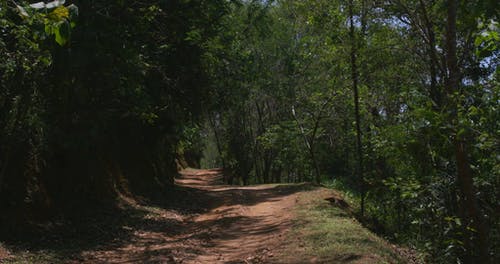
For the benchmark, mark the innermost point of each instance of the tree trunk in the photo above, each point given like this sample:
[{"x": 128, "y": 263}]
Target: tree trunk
[
  {"x": 354, "y": 75},
  {"x": 477, "y": 247},
  {"x": 267, "y": 168},
  {"x": 310, "y": 143},
  {"x": 217, "y": 140},
  {"x": 3, "y": 170},
  {"x": 315, "y": 165},
  {"x": 434, "y": 90}
]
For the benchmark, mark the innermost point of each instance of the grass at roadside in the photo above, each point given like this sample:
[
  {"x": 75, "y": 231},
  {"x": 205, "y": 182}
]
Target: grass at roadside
[{"x": 325, "y": 233}]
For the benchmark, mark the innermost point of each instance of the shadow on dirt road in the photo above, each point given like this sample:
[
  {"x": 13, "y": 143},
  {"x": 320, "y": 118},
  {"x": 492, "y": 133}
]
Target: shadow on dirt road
[{"x": 200, "y": 220}]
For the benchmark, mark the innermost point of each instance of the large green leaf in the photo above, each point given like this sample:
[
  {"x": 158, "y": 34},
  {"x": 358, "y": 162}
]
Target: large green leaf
[{"x": 62, "y": 32}]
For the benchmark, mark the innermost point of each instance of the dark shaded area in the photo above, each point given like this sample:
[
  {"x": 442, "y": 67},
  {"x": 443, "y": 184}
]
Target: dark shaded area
[
  {"x": 103, "y": 113},
  {"x": 94, "y": 228}
]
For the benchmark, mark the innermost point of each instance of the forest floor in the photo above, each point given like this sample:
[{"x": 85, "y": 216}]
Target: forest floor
[{"x": 204, "y": 221}]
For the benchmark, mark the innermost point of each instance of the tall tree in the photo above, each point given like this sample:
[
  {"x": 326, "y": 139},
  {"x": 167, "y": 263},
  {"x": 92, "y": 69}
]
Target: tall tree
[
  {"x": 477, "y": 243},
  {"x": 355, "y": 89}
]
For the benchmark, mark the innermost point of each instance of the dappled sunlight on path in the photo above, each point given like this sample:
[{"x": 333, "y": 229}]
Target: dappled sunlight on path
[
  {"x": 233, "y": 224},
  {"x": 202, "y": 220},
  {"x": 248, "y": 223}
]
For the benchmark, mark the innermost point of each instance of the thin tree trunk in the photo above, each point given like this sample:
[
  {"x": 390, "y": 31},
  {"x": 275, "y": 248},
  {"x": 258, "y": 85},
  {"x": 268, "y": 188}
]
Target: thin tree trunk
[
  {"x": 267, "y": 168},
  {"x": 316, "y": 166},
  {"x": 354, "y": 75},
  {"x": 479, "y": 244},
  {"x": 310, "y": 144},
  {"x": 3, "y": 170},
  {"x": 266, "y": 157},
  {"x": 434, "y": 89},
  {"x": 217, "y": 140}
]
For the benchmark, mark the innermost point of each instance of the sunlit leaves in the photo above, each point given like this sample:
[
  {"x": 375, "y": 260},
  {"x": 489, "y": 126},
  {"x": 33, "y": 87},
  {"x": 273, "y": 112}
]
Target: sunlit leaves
[
  {"x": 58, "y": 19},
  {"x": 59, "y": 14},
  {"x": 59, "y": 23}
]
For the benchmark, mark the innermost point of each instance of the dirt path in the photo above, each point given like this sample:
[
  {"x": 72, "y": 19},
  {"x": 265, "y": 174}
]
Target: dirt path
[
  {"x": 203, "y": 221},
  {"x": 249, "y": 224},
  {"x": 241, "y": 225}
]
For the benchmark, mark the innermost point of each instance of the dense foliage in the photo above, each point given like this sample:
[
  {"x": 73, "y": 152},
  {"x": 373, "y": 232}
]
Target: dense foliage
[
  {"x": 94, "y": 100},
  {"x": 395, "y": 101},
  {"x": 290, "y": 73}
]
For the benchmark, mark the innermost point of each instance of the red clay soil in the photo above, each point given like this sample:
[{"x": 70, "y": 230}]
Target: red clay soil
[{"x": 243, "y": 225}]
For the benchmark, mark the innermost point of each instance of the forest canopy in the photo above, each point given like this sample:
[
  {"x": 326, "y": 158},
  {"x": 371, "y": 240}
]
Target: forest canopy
[{"x": 395, "y": 102}]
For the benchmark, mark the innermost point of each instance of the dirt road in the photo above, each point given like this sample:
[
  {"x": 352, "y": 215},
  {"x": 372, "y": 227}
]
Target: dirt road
[
  {"x": 248, "y": 225},
  {"x": 240, "y": 225},
  {"x": 200, "y": 220}
]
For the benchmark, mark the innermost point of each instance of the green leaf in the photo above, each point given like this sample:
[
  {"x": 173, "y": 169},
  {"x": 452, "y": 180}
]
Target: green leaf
[
  {"x": 49, "y": 28},
  {"x": 62, "y": 33},
  {"x": 59, "y": 14},
  {"x": 461, "y": 132}
]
